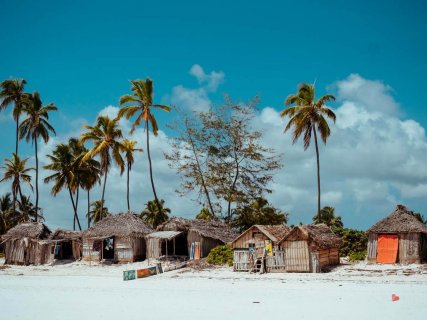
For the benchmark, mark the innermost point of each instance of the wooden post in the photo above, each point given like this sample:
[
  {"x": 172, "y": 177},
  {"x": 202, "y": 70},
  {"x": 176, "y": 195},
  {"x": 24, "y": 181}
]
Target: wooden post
[{"x": 174, "y": 246}]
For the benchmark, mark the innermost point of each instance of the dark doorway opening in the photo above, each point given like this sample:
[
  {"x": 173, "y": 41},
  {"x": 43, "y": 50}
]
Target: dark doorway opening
[
  {"x": 66, "y": 250},
  {"x": 108, "y": 249}
]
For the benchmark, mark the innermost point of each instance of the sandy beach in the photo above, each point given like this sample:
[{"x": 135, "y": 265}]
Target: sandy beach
[{"x": 66, "y": 291}]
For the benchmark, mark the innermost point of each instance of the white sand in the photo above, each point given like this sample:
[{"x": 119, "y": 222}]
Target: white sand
[{"x": 76, "y": 290}]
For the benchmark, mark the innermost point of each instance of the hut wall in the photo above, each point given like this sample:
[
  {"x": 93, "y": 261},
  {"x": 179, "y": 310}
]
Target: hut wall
[
  {"x": 77, "y": 249},
  {"x": 139, "y": 249},
  {"x": 26, "y": 252},
  {"x": 297, "y": 255},
  {"x": 154, "y": 248},
  {"x": 206, "y": 244},
  {"x": 123, "y": 251},
  {"x": 15, "y": 252},
  {"x": 277, "y": 262},
  {"x": 88, "y": 253},
  {"x": 410, "y": 248},
  {"x": 250, "y": 237},
  {"x": 328, "y": 257},
  {"x": 372, "y": 248}
]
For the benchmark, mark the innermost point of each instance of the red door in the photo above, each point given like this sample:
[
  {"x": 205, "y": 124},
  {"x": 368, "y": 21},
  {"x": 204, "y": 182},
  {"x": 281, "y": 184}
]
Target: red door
[{"x": 387, "y": 248}]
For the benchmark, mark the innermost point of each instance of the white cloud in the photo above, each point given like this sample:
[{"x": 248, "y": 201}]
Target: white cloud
[
  {"x": 373, "y": 94},
  {"x": 197, "y": 99}
]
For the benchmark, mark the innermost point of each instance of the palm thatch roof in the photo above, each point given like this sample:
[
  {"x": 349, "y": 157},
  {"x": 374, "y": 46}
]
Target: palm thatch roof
[
  {"x": 61, "y": 234},
  {"x": 401, "y": 220},
  {"x": 121, "y": 225},
  {"x": 274, "y": 232},
  {"x": 319, "y": 234},
  {"x": 32, "y": 230},
  {"x": 209, "y": 229}
]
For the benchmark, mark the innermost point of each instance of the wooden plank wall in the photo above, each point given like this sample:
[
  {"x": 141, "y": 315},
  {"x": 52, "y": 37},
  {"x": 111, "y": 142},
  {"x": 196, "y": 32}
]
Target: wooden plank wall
[
  {"x": 372, "y": 248},
  {"x": 88, "y": 253},
  {"x": 154, "y": 248},
  {"x": 410, "y": 248},
  {"x": 249, "y": 238},
  {"x": 297, "y": 257},
  {"x": 241, "y": 260},
  {"x": 277, "y": 262},
  {"x": 207, "y": 244},
  {"x": 123, "y": 251}
]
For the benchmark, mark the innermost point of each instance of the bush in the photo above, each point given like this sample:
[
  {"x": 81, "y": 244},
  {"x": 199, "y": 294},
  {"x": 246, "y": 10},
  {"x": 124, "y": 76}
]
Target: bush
[
  {"x": 221, "y": 255},
  {"x": 357, "y": 256},
  {"x": 352, "y": 241}
]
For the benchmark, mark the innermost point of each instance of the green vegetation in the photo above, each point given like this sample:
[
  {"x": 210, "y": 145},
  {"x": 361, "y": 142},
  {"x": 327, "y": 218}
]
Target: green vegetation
[
  {"x": 357, "y": 256},
  {"x": 221, "y": 255},
  {"x": 155, "y": 213},
  {"x": 257, "y": 212}
]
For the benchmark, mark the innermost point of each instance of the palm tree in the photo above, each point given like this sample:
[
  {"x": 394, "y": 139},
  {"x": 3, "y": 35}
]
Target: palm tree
[
  {"x": 98, "y": 212},
  {"x": 328, "y": 217},
  {"x": 12, "y": 91},
  {"x": 27, "y": 211},
  {"x": 141, "y": 101},
  {"x": 306, "y": 116},
  {"x": 91, "y": 175},
  {"x": 129, "y": 149},
  {"x": 5, "y": 213},
  {"x": 36, "y": 125},
  {"x": 154, "y": 214},
  {"x": 66, "y": 168},
  {"x": 206, "y": 214},
  {"x": 105, "y": 136},
  {"x": 15, "y": 170}
]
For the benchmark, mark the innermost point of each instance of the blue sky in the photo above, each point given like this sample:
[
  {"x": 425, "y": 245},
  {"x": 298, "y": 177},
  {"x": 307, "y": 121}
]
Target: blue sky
[{"x": 81, "y": 54}]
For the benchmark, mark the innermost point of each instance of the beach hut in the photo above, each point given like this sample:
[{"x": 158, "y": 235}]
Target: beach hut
[
  {"x": 310, "y": 248},
  {"x": 118, "y": 238},
  {"x": 66, "y": 244},
  {"x": 27, "y": 244},
  {"x": 398, "y": 238},
  {"x": 193, "y": 238},
  {"x": 257, "y": 247}
]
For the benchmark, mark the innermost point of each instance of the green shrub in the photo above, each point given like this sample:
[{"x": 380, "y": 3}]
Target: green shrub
[
  {"x": 357, "y": 256},
  {"x": 221, "y": 255},
  {"x": 352, "y": 241}
]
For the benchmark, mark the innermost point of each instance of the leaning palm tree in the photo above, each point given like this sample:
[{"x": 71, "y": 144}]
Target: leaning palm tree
[
  {"x": 16, "y": 171},
  {"x": 155, "y": 214},
  {"x": 129, "y": 149},
  {"x": 105, "y": 136},
  {"x": 65, "y": 168},
  {"x": 306, "y": 117},
  {"x": 12, "y": 91},
  {"x": 141, "y": 102},
  {"x": 36, "y": 125},
  {"x": 98, "y": 212}
]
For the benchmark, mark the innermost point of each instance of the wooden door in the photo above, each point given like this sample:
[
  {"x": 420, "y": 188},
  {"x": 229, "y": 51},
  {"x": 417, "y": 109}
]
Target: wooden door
[
  {"x": 387, "y": 248},
  {"x": 296, "y": 256}
]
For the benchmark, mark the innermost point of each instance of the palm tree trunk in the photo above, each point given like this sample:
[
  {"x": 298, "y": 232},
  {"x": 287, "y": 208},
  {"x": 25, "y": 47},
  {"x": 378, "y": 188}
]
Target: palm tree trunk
[
  {"x": 17, "y": 137},
  {"x": 319, "y": 218},
  {"x": 37, "y": 177},
  {"x": 127, "y": 192},
  {"x": 149, "y": 162},
  {"x": 103, "y": 192},
  {"x": 88, "y": 208},
  {"x": 77, "y": 199},
  {"x": 76, "y": 217}
]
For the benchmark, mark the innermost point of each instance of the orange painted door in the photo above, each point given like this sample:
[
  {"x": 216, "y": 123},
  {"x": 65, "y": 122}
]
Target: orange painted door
[{"x": 387, "y": 248}]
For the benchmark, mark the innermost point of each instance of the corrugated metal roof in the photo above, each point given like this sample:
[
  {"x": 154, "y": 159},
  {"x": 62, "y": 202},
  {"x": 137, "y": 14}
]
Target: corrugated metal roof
[{"x": 164, "y": 234}]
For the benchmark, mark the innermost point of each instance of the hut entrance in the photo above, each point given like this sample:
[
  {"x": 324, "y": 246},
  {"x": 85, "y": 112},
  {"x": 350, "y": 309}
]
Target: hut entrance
[
  {"x": 387, "y": 248},
  {"x": 66, "y": 250},
  {"x": 108, "y": 249},
  {"x": 297, "y": 256}
]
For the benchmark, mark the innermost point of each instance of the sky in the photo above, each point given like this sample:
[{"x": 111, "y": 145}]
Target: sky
[{"x": 369, "y": 54}]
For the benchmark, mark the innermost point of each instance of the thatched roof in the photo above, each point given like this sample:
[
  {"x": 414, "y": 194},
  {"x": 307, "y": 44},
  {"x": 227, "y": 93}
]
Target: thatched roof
[
  {"x": 320, "y": 234},
  {"x": 209, "y": 229},
  {"x": 401, "y": 220},
  {"x": 274, "y": 232},
  {"x": 32, "y": 230},
  {"x": 121, "y": 225},
  {"x": 61, "y": 234}
]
